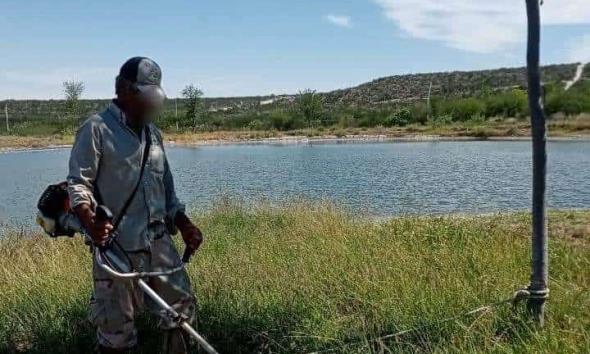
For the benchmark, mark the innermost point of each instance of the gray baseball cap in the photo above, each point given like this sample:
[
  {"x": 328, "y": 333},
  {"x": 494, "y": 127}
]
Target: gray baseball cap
[{"x": 146, "y": 75}]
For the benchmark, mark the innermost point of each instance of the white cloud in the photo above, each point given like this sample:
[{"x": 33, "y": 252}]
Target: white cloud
[
  {"x": 579, "y": 49},
  {"x": 483, "y": 26},
  {"x": 339, "y": 20}
]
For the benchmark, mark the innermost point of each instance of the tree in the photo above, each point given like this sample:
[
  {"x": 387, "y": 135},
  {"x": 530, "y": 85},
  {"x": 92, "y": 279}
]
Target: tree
[
  {"x": 194, "y": 104},
  {"x": 310, "y": 105},
  {"x": 73, "y": 91}
]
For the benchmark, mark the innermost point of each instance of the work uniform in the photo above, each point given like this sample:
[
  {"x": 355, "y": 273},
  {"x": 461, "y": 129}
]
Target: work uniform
[{"x": 105, "y": 165}]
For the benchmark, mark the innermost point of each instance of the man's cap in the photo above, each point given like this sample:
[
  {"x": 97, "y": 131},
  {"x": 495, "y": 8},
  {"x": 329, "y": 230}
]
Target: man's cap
[{"x": 146, "y": 75}]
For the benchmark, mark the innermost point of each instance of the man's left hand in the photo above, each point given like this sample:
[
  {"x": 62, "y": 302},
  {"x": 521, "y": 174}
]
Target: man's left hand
[{"x": 191, "y": 234}]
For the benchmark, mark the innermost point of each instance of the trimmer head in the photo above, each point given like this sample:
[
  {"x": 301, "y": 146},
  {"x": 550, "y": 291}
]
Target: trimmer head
[{"x": 54, "y": 206}]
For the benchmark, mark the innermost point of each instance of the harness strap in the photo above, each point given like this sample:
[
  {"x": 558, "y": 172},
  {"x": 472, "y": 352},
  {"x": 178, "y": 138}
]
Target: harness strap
[{"x": 146, "y": 152}]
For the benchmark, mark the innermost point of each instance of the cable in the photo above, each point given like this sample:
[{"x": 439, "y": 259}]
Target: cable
[
  {"x": 517, "y": 297},
  {"x": 125, "y": 254}
]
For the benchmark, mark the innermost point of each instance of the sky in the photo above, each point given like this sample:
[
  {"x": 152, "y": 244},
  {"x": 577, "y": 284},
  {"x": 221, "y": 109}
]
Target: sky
[{"x": 259, "y": 47}]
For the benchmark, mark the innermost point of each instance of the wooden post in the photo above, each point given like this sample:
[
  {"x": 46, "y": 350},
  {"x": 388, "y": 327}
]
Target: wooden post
[
  {"x": 429, "y": 103},
  {"x": 539, "y": 266},
  {"x": 6, "y": 115}
]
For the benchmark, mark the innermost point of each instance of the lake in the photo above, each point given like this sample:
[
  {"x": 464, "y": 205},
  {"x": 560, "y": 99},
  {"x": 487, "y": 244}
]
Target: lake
[{"x": 372, "y": 178}]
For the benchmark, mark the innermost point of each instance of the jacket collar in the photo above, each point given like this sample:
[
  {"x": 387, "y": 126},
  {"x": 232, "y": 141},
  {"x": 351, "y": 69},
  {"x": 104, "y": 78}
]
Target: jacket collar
[
  {"x": 120, "y": 116},
  {"x": 117, "y": 112}
]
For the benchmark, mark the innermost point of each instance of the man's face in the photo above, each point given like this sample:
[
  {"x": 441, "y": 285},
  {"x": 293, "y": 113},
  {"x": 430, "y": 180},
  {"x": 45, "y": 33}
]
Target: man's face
[{"x": 144, "y": 109}]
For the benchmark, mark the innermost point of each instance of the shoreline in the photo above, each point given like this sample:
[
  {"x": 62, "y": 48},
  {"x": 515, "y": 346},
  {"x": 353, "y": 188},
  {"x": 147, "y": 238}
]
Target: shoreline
[
  {"x": 363, "y": 139},
  {"x": 302, "y": 139},
  {"x": 31, "y": 226}
]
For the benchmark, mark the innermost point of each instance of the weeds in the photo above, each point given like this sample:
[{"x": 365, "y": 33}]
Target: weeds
[{"x": 309, "y": 277}]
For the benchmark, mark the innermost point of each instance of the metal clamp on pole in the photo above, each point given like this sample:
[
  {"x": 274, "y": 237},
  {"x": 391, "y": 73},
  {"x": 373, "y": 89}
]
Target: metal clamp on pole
[{"x": 539, "y": 294}]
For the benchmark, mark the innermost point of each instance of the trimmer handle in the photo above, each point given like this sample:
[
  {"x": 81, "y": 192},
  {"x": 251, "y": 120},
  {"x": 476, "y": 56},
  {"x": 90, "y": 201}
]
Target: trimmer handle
[
  {"x": 186, "y": 256},
  {"x": 103, "y": 214}
]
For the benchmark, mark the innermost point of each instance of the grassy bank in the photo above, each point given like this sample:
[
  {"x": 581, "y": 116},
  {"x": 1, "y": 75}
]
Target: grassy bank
[
  {"x": 309, "y": 277},
  {"x": 578, "y": 126}
]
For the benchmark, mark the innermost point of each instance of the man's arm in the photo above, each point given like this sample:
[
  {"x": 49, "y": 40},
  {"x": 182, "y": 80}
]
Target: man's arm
[
  {"x": 173, "y": 204},
  {"x": 83, "y": 168}
]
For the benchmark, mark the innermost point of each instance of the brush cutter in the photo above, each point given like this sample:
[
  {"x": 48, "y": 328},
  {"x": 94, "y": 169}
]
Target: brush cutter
[{"x": 57, "y": 220}]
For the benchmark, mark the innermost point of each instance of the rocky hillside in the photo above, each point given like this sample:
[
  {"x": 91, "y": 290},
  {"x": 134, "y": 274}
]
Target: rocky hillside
[
  {"x": 388, "y": 89},
  {"x": 449, "y": 84}
]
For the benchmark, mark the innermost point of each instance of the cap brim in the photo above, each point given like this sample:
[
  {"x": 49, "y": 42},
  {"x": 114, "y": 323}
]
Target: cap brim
[{"x": 152, "y": 94}]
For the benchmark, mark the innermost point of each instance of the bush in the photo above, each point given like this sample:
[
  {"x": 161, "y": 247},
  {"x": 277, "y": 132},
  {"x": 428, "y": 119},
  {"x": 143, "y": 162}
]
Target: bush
[
  {"x": 284, "y": 120},
  {"x": 461, "y": 109},
  {"x": 443, "y": 119},
  {"x": 255, "y": 125},
  {"x": 507, "y": 104},
  {"x": 574, "y": 101},
  {"x": 419, "y": 113},
  {"x": 401, "y": 117},
  {"x": 346, "y": 121}
]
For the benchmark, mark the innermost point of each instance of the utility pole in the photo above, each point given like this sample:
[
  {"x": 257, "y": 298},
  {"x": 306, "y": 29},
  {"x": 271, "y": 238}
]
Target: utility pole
[
  {"x": 176, "y": 108},
  {"x": 538, "y": 287},
  {"x": 6, "y": 115}
]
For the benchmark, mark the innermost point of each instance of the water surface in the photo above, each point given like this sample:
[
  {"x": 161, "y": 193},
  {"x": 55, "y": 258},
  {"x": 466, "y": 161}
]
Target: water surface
[{"x": 375, "y": 178}]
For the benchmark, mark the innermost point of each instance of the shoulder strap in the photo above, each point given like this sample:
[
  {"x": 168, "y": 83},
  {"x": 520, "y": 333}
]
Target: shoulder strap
[{"x": 146, "y": 153}]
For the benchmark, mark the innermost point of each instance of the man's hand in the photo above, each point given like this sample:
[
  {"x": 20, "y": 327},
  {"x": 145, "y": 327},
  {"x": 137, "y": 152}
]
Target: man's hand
[
  {"x": 97, "y": 230},
  {"x": 191, "y": 234}
]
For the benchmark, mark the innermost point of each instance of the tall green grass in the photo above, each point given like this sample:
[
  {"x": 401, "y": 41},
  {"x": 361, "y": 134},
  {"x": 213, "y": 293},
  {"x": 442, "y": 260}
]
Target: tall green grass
[{"x": 309, "y": 277}]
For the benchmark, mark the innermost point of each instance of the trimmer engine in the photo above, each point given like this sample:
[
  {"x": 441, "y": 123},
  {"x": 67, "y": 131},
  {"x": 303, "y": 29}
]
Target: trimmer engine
[{"x": 54, "y": 211}]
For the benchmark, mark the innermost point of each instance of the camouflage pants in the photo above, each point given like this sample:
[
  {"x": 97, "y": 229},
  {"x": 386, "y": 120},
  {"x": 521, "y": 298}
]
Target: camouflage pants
[{"x": 115, "y": 302}]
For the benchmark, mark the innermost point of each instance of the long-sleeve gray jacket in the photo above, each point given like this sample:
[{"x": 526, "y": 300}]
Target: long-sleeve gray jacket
[{"x": 107, "y": 156}]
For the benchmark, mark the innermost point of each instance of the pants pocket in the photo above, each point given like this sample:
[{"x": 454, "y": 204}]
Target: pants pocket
[
  {"x": 96, "y": 312},
  {"x": 107, "y": 310},
  {"x": 164, "y": 254}
]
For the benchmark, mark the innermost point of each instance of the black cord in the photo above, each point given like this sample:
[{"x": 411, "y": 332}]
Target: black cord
[{"x": 122, "y": 251}]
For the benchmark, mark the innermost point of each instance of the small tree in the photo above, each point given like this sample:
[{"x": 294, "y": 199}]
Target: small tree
[
  {"x": 310, "y": 105},
  {"x": 73, "y": 91},
  {"x": 194, "y": 104}
]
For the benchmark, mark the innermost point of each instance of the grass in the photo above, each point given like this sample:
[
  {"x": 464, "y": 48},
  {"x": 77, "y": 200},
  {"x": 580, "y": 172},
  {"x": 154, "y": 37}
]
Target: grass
[
  {"x": 306, "y": 277},
  {"x": 36, "y": 141}
]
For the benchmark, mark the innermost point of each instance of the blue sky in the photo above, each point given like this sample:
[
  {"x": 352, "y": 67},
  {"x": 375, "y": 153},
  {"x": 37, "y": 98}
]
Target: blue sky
[{"x": 256, "y": 47}]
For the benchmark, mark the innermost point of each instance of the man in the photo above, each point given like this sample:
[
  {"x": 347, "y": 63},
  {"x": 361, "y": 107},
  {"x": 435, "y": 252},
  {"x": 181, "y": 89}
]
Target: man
[{"x": 106, "y": 169}]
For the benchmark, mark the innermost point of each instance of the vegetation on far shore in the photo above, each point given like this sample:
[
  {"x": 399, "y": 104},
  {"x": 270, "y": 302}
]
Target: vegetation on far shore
[
  {"x": 475, "y": 104},
  {"x": 307, "y": 277},
  {"x": 578, "y": 126}
]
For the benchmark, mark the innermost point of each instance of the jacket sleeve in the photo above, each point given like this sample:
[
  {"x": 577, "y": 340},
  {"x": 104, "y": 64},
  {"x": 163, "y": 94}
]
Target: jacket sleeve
[
  {"x": 84, "y": 162},
  {"x": 173, "y": 204}
]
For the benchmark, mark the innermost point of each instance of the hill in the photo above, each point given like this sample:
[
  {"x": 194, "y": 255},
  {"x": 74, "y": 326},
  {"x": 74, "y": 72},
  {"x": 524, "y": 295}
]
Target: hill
[
  {"x": 446, "y": 84},
  {"x": 389, "y": 89}
]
